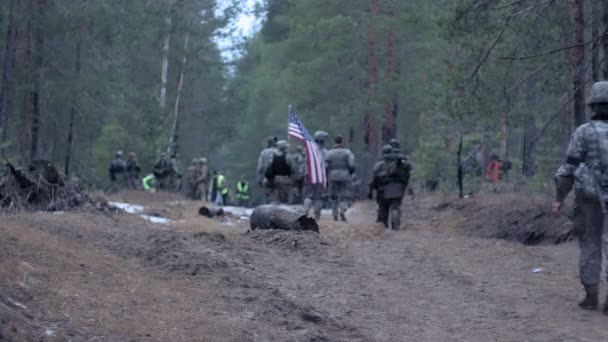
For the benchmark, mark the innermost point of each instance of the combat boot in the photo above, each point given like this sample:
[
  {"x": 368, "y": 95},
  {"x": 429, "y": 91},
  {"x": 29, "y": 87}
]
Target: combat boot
[
  {"x": 343, "y": 217},
  {"x": 606, "y": 307},
  {"x": 591, "y": 300}
]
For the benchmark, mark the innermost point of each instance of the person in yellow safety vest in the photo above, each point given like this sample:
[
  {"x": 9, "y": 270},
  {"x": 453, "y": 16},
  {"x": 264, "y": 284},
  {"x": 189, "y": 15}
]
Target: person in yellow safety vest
[
  {"x": 221, "y": 195},
  {"x": 148, "y": 183},
  {"x": 242, "y": 192}
]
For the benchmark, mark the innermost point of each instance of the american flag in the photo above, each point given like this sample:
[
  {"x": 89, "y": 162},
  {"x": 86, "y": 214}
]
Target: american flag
[{"x": 315, "y": 164}]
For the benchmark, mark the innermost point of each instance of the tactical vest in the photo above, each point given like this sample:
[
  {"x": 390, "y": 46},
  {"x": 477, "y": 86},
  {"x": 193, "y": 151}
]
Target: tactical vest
[
  {"x": 242, "y": 190},
  {"x": 278, "y": 167}
]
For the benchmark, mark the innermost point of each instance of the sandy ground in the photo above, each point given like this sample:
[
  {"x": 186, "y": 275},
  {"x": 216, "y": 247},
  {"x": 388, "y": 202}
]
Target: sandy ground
[{"x": 115, "y": 277}]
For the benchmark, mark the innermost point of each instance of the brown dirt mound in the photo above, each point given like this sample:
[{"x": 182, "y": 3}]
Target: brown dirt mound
[
  {"x": 190, "y": 254},
  {"x": 290, "y": 239},
  {"x": 518, "y": 218}
]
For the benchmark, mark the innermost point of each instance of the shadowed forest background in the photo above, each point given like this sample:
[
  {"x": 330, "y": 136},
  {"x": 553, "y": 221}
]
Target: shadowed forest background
[{"x": 84, "y": 78}]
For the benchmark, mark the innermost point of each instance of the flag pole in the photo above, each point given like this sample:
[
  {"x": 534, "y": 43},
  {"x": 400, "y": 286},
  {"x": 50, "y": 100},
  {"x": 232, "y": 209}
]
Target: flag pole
[{"x": 288, "y": 114}]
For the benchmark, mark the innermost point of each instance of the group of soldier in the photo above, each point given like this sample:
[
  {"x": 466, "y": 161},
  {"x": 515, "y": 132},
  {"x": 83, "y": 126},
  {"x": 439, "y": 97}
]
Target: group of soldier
[
  {"x": 285, "y": 180},
  {"x": 167, "y": 175}
]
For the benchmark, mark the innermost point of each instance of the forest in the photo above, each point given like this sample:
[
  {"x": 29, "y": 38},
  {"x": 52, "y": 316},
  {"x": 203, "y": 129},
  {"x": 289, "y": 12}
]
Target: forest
[{"x": 456, "y": 81}]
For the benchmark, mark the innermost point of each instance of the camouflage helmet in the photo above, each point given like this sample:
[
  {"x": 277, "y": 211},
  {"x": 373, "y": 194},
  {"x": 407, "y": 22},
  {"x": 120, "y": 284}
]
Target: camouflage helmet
[
  {"x": 194, "y": 161},
  {"x": 394, "y": 143},
  {"x": 283, "y": 145},
  {"x": 203, "y": 160},
  {"x": 386, "y": 149},
  {"x": 599, "y": 93},
  {"x": 320, "y": 136},
  {"x": 118, "y": 154},
  {"x": 271, "y": 141}
]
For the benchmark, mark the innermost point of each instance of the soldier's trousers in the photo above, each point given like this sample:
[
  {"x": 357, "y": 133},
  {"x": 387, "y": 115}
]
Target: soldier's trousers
[
  {"x": 592, "y": 240},
  {"x": 313, "y": 199},
  {"x": 202, "y": 191},
  {"x": 279, "y": 191},
  {"x": 390, "y": 209},
  {"x": 339, "y": 193}
]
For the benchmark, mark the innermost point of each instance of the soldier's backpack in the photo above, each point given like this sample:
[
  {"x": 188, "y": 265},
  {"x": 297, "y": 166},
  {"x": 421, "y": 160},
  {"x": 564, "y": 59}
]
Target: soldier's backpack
[
  {"x": 278, "y": 167},
  {"x": 395, "y": 170},
  {"x": 117, "y": 166},
  {"x": 591, "y": 181}
]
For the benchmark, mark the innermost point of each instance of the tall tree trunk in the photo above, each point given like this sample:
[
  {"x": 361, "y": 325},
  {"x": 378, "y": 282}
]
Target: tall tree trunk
[
  {"x": 530, "y": 130},
  {"x": 605, "y": 37},
  {"x": 371, "y": 137},
  {"x": 73, "y": 110},
  {"x": 165, "y": 62},
  {"x": 173, "y": 141},
  {"x": 504, "y": 145},
  {"x": 578, "y": 60},
  {"x": 389, "y": 128},
  {"x": 38, "y": 79},
  {"x": 25, "y": 117},
  {"x": 595, "y": 32},
  {"x": 6, "y": 90}
]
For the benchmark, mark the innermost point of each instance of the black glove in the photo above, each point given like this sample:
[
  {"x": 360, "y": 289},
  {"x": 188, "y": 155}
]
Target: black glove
[{"x": 370, "y": 195}]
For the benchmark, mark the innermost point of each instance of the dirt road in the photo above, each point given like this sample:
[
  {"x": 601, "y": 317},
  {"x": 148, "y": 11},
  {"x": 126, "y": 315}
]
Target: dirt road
[{"x": 115, "y": 277}]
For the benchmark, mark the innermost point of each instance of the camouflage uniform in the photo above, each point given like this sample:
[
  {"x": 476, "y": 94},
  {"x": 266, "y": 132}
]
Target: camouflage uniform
[
  {"x": 315, "y": 194},
  {"x": 340, "y": 168},
  {"x": 192, "y": 177},
  {"x": 391, "y": 177},
  {"x": 264, "y": 160},
  {"x": 133, "y": 170},
  {"x": 175, "y": 174},
  {"x": 299, "y": 159},
  {"x": 586, "y": 170},
  {"x": 202, "y": 183},
  {"x": 161, "y": 172},
  {"x": 278, "y": 174},
  {"x": 118, "y": 172}
]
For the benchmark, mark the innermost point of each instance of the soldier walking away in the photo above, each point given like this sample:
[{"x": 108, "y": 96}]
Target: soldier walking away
[
  {"x": 133, "y": 170},
  {"x": 242, "y": 193},
  {"x": 279, "y": 174},
  {"x": 315, "y": 194},
  {"x": 586, "y": 170},
  {"x": 118, "y": 171},
  {"x": 264, "y": 160},
  {"x": 175, "y": 173},
  {"x": 161, "y": 172},
  {"x": 382, "y": 217},
  {"x": 299, "y": 159},
  {"x": 340, "y": 169},
  {"x": 391, "y": 177},
  {"x": 202, "y": 182},
  {"x": 192, "y": 176}
]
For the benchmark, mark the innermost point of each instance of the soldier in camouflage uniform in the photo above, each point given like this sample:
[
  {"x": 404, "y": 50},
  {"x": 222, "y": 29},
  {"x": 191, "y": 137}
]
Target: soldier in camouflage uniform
[
  {"x": 314, "y": 194},
  {"x": 264, "y": 160},
  {"x": 340, "y": 168},
  {"x": 586, "y": 170},
  {"x": 299, "y": 158},
  {"x": 192, "y": 177},
  {"x": 390, "y": 180},
  {"x": 279, "y": 174}
]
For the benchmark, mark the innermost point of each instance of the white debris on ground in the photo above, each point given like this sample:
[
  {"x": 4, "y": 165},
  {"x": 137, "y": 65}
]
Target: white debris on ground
[
  {"x": 238, "y": 211},
  {"x": 136, "y": 209},
  {"x": 129, "y": 208},
  {"x": 155, "y": 219}
]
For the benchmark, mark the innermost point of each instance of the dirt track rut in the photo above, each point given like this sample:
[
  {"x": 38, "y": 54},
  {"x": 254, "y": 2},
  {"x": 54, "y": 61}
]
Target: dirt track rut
[{"x": 118, "y": 278}]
